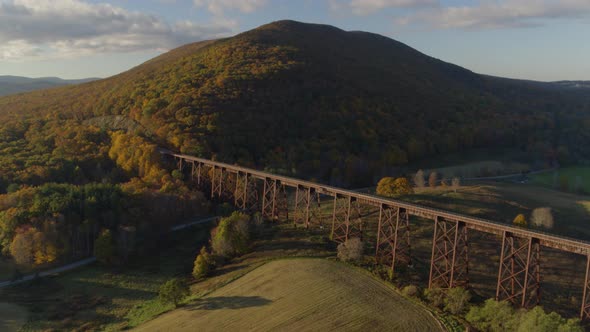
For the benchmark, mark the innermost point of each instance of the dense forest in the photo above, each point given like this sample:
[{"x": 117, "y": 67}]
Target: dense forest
[{"x": 301, "y": 99}]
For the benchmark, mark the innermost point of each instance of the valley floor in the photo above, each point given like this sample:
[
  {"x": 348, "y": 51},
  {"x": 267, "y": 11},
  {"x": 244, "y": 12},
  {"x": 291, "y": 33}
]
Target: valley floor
[{"x": 296, "y": 295}]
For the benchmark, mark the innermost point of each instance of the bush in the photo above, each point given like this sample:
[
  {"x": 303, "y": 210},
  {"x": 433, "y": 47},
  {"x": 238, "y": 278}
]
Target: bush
[
  {"x": 520, "y": 220},
  {"x": 456, "y": 300},
  {"x": 500, "y": 316},
  {"x": 542, "y": 217},
  {"x": 410, "y": 291},
  {"x": 231, "y": 236},
  {"x": 204, "y": 264},
  {"x": 435, "y": 296},
  {"x": 351, "y": 250},
  {"x": 173, "y": 291},
  {"x": 492, "y": 316},
  {"x": 104, "y": 247}
]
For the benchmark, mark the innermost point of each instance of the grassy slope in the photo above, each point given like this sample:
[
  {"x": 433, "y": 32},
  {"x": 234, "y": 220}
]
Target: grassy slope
[
  {"x": 12, "y": 317},
  {"x": 300, "y": 295}
]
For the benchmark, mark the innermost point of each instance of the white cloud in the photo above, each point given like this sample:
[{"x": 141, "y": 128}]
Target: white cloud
[
  {"x": 500, "y": 14},
  {"x": 364, "y": 7},
  {"x": 217, "y": 7},
  {"x": 69, "y": 28}
]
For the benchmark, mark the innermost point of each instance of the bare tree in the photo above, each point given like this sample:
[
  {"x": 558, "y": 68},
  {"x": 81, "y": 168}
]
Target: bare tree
[
  {"x": 456, "y": 183},
  {"x": 433, "y": 179},
  {"x": 419, "y": 180},
  {"x": 542, "y": 217}
]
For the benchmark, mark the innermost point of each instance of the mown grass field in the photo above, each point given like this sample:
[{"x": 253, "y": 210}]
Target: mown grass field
[
  {"x": 296, "y": 295},
  {"x": 565, "y": 179},
  {"x": 12, "y": 317}
]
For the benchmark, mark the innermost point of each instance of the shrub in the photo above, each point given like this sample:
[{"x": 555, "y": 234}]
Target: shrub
[
  {"x": 457, "y": 300},
  {"x": 231, "y": 236},
  {"x": 520, "y": 220},
  {"x": 104, "y": 247},
  {"x": 351, "y": 250},
  {"x": 410, "y": 291},
  {"x": 204, "y": 264},
  {"x": 542, "y": 217},
  {"x": 435, "y": 296},
  {"x": 173, "y": 291},
  {"x": 492, "y": 316},
  {"x": 500, "y": 316}
]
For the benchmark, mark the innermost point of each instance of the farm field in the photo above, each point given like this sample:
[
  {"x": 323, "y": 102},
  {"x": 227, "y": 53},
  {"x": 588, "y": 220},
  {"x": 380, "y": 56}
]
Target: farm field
[{"x": 300, "y": 294}]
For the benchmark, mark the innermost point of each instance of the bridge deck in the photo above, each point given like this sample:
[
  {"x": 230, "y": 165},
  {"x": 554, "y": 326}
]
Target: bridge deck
[{"x": 545, "y": 239}]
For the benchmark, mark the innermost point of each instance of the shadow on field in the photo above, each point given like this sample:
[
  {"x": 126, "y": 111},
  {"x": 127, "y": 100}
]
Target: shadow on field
[{"x": 228, "y": 302}]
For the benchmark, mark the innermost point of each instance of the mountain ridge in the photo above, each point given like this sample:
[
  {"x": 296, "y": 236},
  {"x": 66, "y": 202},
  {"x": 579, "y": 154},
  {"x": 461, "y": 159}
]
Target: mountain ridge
[
  {"x": 10, "y": 84},
  {"x": 317, "y": 101}
]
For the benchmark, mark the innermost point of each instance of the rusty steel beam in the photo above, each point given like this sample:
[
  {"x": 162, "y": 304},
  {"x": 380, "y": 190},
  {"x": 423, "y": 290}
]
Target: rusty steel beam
[
  {"x": 269, "y": 199},
  {"x": 519, "y": 274},
  {"x": 346, "y": 220},
  {"x": 216, "y": 175},
  {"x": 449, "y": 264},
  {"x": 393, "y": 238},
  {"x": 303, "y": 199},
  {"x": 282, "y": 205}
]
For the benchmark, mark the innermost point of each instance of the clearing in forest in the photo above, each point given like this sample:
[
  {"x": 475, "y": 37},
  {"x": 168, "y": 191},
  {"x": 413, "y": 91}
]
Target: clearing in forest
[{"x": 296, "y": 295}]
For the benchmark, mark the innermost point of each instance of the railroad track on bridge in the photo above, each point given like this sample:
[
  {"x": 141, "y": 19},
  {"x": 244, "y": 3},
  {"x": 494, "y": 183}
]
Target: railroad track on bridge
[{"x": 519, "y": 268}]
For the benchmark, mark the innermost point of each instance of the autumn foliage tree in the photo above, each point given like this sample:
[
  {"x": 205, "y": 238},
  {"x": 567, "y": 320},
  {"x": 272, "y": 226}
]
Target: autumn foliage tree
[
  {"x": 391, "y": 187},
  {"x": 520, "y": 220},
  {"x": 203, "y": 265}
]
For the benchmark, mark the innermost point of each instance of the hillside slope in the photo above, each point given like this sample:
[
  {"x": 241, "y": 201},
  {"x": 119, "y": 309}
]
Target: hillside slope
[
  {"x": 306, "y": 99},
  {"x": 300, "y": 295}
]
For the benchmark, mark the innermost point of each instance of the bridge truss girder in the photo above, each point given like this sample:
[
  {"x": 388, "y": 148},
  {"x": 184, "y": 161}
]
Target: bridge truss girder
[
  {"x": 393, "y": 237},
  {"x": 519, "y": 274},
  {"x": 347, "y": 222},
  {"x": 449, "y": 263}
]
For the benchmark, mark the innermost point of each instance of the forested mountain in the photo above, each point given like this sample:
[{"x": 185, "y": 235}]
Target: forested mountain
[
  {"x": 302, "y": 99},
  {"x": 16, "y": 84}
]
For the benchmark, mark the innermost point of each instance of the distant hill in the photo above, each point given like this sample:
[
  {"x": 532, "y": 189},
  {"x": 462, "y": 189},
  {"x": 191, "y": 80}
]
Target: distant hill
[
  {"x": 574, "y": 84},
  {"x": 17, "y": 84},
  {"x": 296, "y": 98}
]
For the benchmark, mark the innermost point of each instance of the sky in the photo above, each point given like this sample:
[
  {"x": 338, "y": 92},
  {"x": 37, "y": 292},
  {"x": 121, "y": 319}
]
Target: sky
[{"x": 544, "y": 40}]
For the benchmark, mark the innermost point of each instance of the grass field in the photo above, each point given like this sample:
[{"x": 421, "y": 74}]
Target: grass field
[
  {"x": 12, "y": 317},
  {"x": 296, "y": 295},
  {"x": 565, "y": 179},
  {"x": 502, "y": 201}
]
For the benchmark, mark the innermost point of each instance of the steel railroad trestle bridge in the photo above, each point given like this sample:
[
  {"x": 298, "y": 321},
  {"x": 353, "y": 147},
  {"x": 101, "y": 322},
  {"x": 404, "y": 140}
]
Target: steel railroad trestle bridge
[{"x": 519, "y": 270}]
